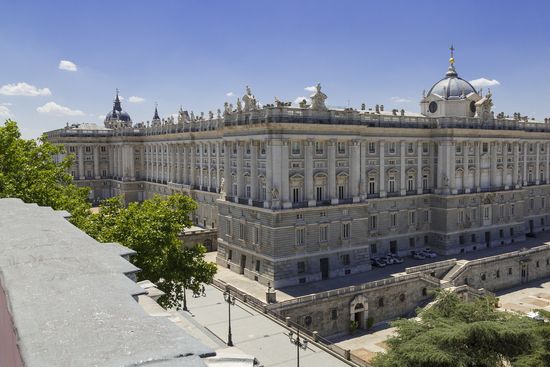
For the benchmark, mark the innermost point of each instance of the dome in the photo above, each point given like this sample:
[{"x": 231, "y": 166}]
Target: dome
[
  {"x": 452, "y": 87},
  {"x": 118, "y": 116}
]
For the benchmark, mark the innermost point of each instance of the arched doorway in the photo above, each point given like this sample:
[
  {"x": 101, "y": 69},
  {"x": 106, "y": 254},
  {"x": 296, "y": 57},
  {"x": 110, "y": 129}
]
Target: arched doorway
[{"x": 359, "y": 311}]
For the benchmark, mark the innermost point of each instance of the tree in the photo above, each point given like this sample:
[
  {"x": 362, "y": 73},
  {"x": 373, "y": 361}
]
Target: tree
[
  {"x": 152, "y": 229},
  {"x": 29, "y": 171},
  {"x": 457, "y": 333}
]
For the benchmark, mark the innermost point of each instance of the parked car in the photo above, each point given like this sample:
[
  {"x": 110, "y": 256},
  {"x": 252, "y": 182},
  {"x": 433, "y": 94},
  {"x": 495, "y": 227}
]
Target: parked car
[
  {"x": 378, "y": 262},
  {"x": 418, "y": 255},
  {"x": 396, "y": 259},
  {"x": 388, "y": 259},
  {"x": 427, "y": 252}
]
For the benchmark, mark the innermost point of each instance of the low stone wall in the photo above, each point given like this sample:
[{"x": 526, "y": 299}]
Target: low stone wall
[
  {"x": 331, "y": 312},
  {"x": 206, "y": 237}
]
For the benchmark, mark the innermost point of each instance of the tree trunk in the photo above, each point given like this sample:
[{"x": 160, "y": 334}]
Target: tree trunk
[{"x": 184, "y": 300}]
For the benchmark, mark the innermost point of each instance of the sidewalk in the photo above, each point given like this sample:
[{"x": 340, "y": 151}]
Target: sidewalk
[{"x": 253, "y": 333}]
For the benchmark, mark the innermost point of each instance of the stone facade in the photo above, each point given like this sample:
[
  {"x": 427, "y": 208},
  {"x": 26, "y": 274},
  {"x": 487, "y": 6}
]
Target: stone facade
[{"x": 305, "y": 193}]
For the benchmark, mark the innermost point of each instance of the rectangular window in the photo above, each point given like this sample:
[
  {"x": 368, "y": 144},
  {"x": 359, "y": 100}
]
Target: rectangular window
[
  {"x": 319, "y": 193},
  {"x": 412, "y": 218},
  {"x": 373, "y": 222},
  {"x": 296, "y": 147},
  {"x": 334, "y": 314},
  {"x": 410, "y": 148},
  {"x": 372, "y": 148},
  {"x": 485, "y": 147},
  {"x": 346, "y": 231},
  {"x": 391, "y": 148},
  {"x": 373, "y": 248},
  {"x": 323, "y": 232},
  {"x": 319, "y": 149},
  {"x": 372, "y": 185},
  {"x": 256, "y": 235},
  {"x": 341, "y": 147},
  {"x": 296, "y": 195},
  {"x": 301, "y": 267},
  {"x": 242, "y": 231},
  {"x": 393, "y": 219},
  {"x": 300, "y": 236},
  {"x": 345, "y": 259},
  {"x": 486, "y": 213},
  {"x": 230, "y": 256},
  {"x": 425, "y": 148},
  {"x": 229, "y": 227},
  {"x": 248, "y": 191},
  {"x": 257, "y": 266},
  {"x": 88, "y": 149},
  {"x": 341, "y": 192}
]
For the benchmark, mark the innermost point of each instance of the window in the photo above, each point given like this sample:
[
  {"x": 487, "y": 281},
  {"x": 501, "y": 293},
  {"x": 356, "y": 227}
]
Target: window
[
  {"x": 319, "y": 193},
  {"x": 104, "y": 173},
  {"x": 299, "y": 216},
  {"x": 391, "y": 184},
  {"x": 230, "y": 256},
  {"x": 296, "y": 147},
  {"x": 412, "y": 242},
  {"x": 341, "y": 147},
  {"x": 485, "y": 147},
  {"x": 258, "y": 266},
  {"x": 412, "y": 218},
  {"x": 486, "y": 213},
  {"x": 300, "y": 236},
  {"x": 334, "y": 314},
  {"x": 373, "y": 221},
  {"x": 381, "y": 302},
  {"x": 372, "y": 148},
  {"x": 72, "y": 149},
  {"x": 393, "y": 219},
  {"x": 256, "y": 235},
  {"x": 410, "y": 183},
  {"x": 425, "y": 182},
  {"x": 509, "y": 271},
  {"x": 391, "y": 148},
  {"x": 323, "y": 231},
  {"x": 248, "y": 191},
  {"x": 531, "y": 203},
  {"x": 372, "y": 185},
  {"x": 512, "y": 209},
  {"x": 458, "y": 148},
  {"x": 88, "y": 149},
  {"x": 497, "y": 274},
  {"x": 102, "y": 149},
  {"x": 345, "y": 259},
  {"x": 373, "y": 249},
  {"x": 301, "y": 267},
  {"x": 242, "y": 229},
  {"x": 346, "y": 231},
  {"x": 461, "y": 217},
  {"x": 425, "y": 148},
  {"x": 474, "y": 238},
  {"x": 296, "y": 197},
  {"x": 323, "y": 214},
  {"x": 262, "y": 148},
  {"x": 319, "y": 149},
  {"x": 341, "y": 192},
  {"x": 410, "y": 148}
]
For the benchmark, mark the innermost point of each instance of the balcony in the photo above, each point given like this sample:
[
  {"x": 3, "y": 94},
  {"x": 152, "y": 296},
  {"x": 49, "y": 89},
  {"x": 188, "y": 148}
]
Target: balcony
[
  {"x": 375, "y": 195},
  {"x": 300, "y": 204}
]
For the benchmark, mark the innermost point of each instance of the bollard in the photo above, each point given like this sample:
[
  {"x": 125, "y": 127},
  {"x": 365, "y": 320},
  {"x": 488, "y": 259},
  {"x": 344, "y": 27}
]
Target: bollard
[
  {"x": 287, "y": 320},
  {"x": 315, "y": 336}
]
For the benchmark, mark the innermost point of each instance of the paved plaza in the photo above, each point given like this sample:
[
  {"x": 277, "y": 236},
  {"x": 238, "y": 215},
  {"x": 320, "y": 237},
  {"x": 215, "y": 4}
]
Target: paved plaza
[
  {"x": 527, "y": 297},
  {"x": 253, "y": 333}
]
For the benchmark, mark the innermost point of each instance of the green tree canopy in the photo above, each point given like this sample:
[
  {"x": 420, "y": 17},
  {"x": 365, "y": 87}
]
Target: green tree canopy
[
  {"x": 152, "y": 229},
  {"x": 462, "y": 334},
  {"x": 29, "y": 171}
]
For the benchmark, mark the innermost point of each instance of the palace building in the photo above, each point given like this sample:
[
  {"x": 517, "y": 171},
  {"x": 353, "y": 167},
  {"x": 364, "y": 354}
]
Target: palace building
[{"x": 307, "y": 192}]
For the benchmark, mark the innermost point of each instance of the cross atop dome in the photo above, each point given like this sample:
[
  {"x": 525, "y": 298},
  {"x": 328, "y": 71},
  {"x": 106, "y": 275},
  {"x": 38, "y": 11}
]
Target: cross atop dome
[
  {"x": 452, "y": 59},
  {"x": 451, "y": 72}
]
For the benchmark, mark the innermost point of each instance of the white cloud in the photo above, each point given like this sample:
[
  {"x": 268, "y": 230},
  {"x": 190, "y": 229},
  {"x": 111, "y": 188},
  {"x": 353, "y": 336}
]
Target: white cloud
[
  {"x": 483, "y": 82},
  {"x": 67, "y": 65},
  {"x": 230, "y": 94},
  {"x": 101, "y": 117},
  {"x": 400, "y": 99},
  {"x": 6, "y": 104},
  {"x": 52, "y": 108},
  {"x": 136, "y": 99},
  {"x": 300, "y": 99},
  {"x": 5, "y": 112},
  {"x": 24, "y": 89},
  {"x": 311, "y": 89}
]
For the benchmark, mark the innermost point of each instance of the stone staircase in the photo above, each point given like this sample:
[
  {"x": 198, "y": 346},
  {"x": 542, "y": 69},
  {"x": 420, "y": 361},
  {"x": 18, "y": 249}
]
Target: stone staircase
[{"x": 447, "y": 280}]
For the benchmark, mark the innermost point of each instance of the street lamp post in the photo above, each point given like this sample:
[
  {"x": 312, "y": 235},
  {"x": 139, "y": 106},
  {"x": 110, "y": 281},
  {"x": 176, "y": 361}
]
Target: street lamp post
[
  {"x": 230, "y": 302},
  {"x": 299, "y": 343}
]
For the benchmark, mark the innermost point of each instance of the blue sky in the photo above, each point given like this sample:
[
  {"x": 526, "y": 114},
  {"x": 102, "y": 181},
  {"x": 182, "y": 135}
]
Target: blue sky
[{"x": 193, "y": 53}]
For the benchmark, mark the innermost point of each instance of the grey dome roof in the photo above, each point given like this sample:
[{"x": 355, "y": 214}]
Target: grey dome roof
[
  {"x": 118, "y": 115},
  {"x": 452, "y": 87}
]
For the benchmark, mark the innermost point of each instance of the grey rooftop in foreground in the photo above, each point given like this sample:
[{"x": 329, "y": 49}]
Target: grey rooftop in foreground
[{"x": 72, "y": 300}]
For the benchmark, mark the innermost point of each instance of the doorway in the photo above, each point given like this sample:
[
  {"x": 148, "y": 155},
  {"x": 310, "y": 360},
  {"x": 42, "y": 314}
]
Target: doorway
[
  {"x": 524, "y": 273},
  {"x": 531, "y": 227},
  {"x": 393, "y": 247},
  {"x": 488, "y": 239},
  {"x": 243, "y": 263},
  {"x": 324, "y": 268}
]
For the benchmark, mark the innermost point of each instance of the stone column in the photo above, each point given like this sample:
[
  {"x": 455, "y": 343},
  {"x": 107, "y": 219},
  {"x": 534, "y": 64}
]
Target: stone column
[
  {"x": 419, "y": 167},
  {"x": 132, "y": 162},
  {"x": 253, "y": 172},
  {"x": 192, "y": 162},
  {"x": 142, "y": 162},
  {"x": 209, "y": 164},
  {"x": 537, "y": 170},
  {"x": 157, "y": 163},
  {"x": 163, "y": 163},
  {"x": 452, "y": 167},
  {"x": 331, "y": 161},
  {"x": 505, "y": 165},
  {"x": 547, "y": 173},
  {"x": 110, "y": 151},
  {"x": 268, "y": 174},
  {"x": 173, "y": 165},
  {"x": 355, "y": 169},
  {"x": 477, "y": 174},
  {"x": 308, "y": 173},
  {"x": 228, "y": 185},
  {"x": 201, "y": 166},
  {"x": 218, "y": 165},
  {"x": 515, "y": 180},
  {"x": 402, "y": 164},
  {"x": 96, "y": 162},
  {"x": 240, "y": 171},
  {"x": 382, "y": 173},
  {"x": 81, "y": 173},
  {"x": 285, "y": 193},
  {"x": 363, "y": 171},
  {"x": 178, "y": 163},
  {"x": 276, "y": 172},
  {"x": 493, "y": 170},
  {"x": 525, "y": 148}
]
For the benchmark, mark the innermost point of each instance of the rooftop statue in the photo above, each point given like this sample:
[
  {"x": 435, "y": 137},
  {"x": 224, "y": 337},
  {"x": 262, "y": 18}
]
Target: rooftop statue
[
  {"x": 249, "y": 100},
  {"x": 318, "y": 99}
]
